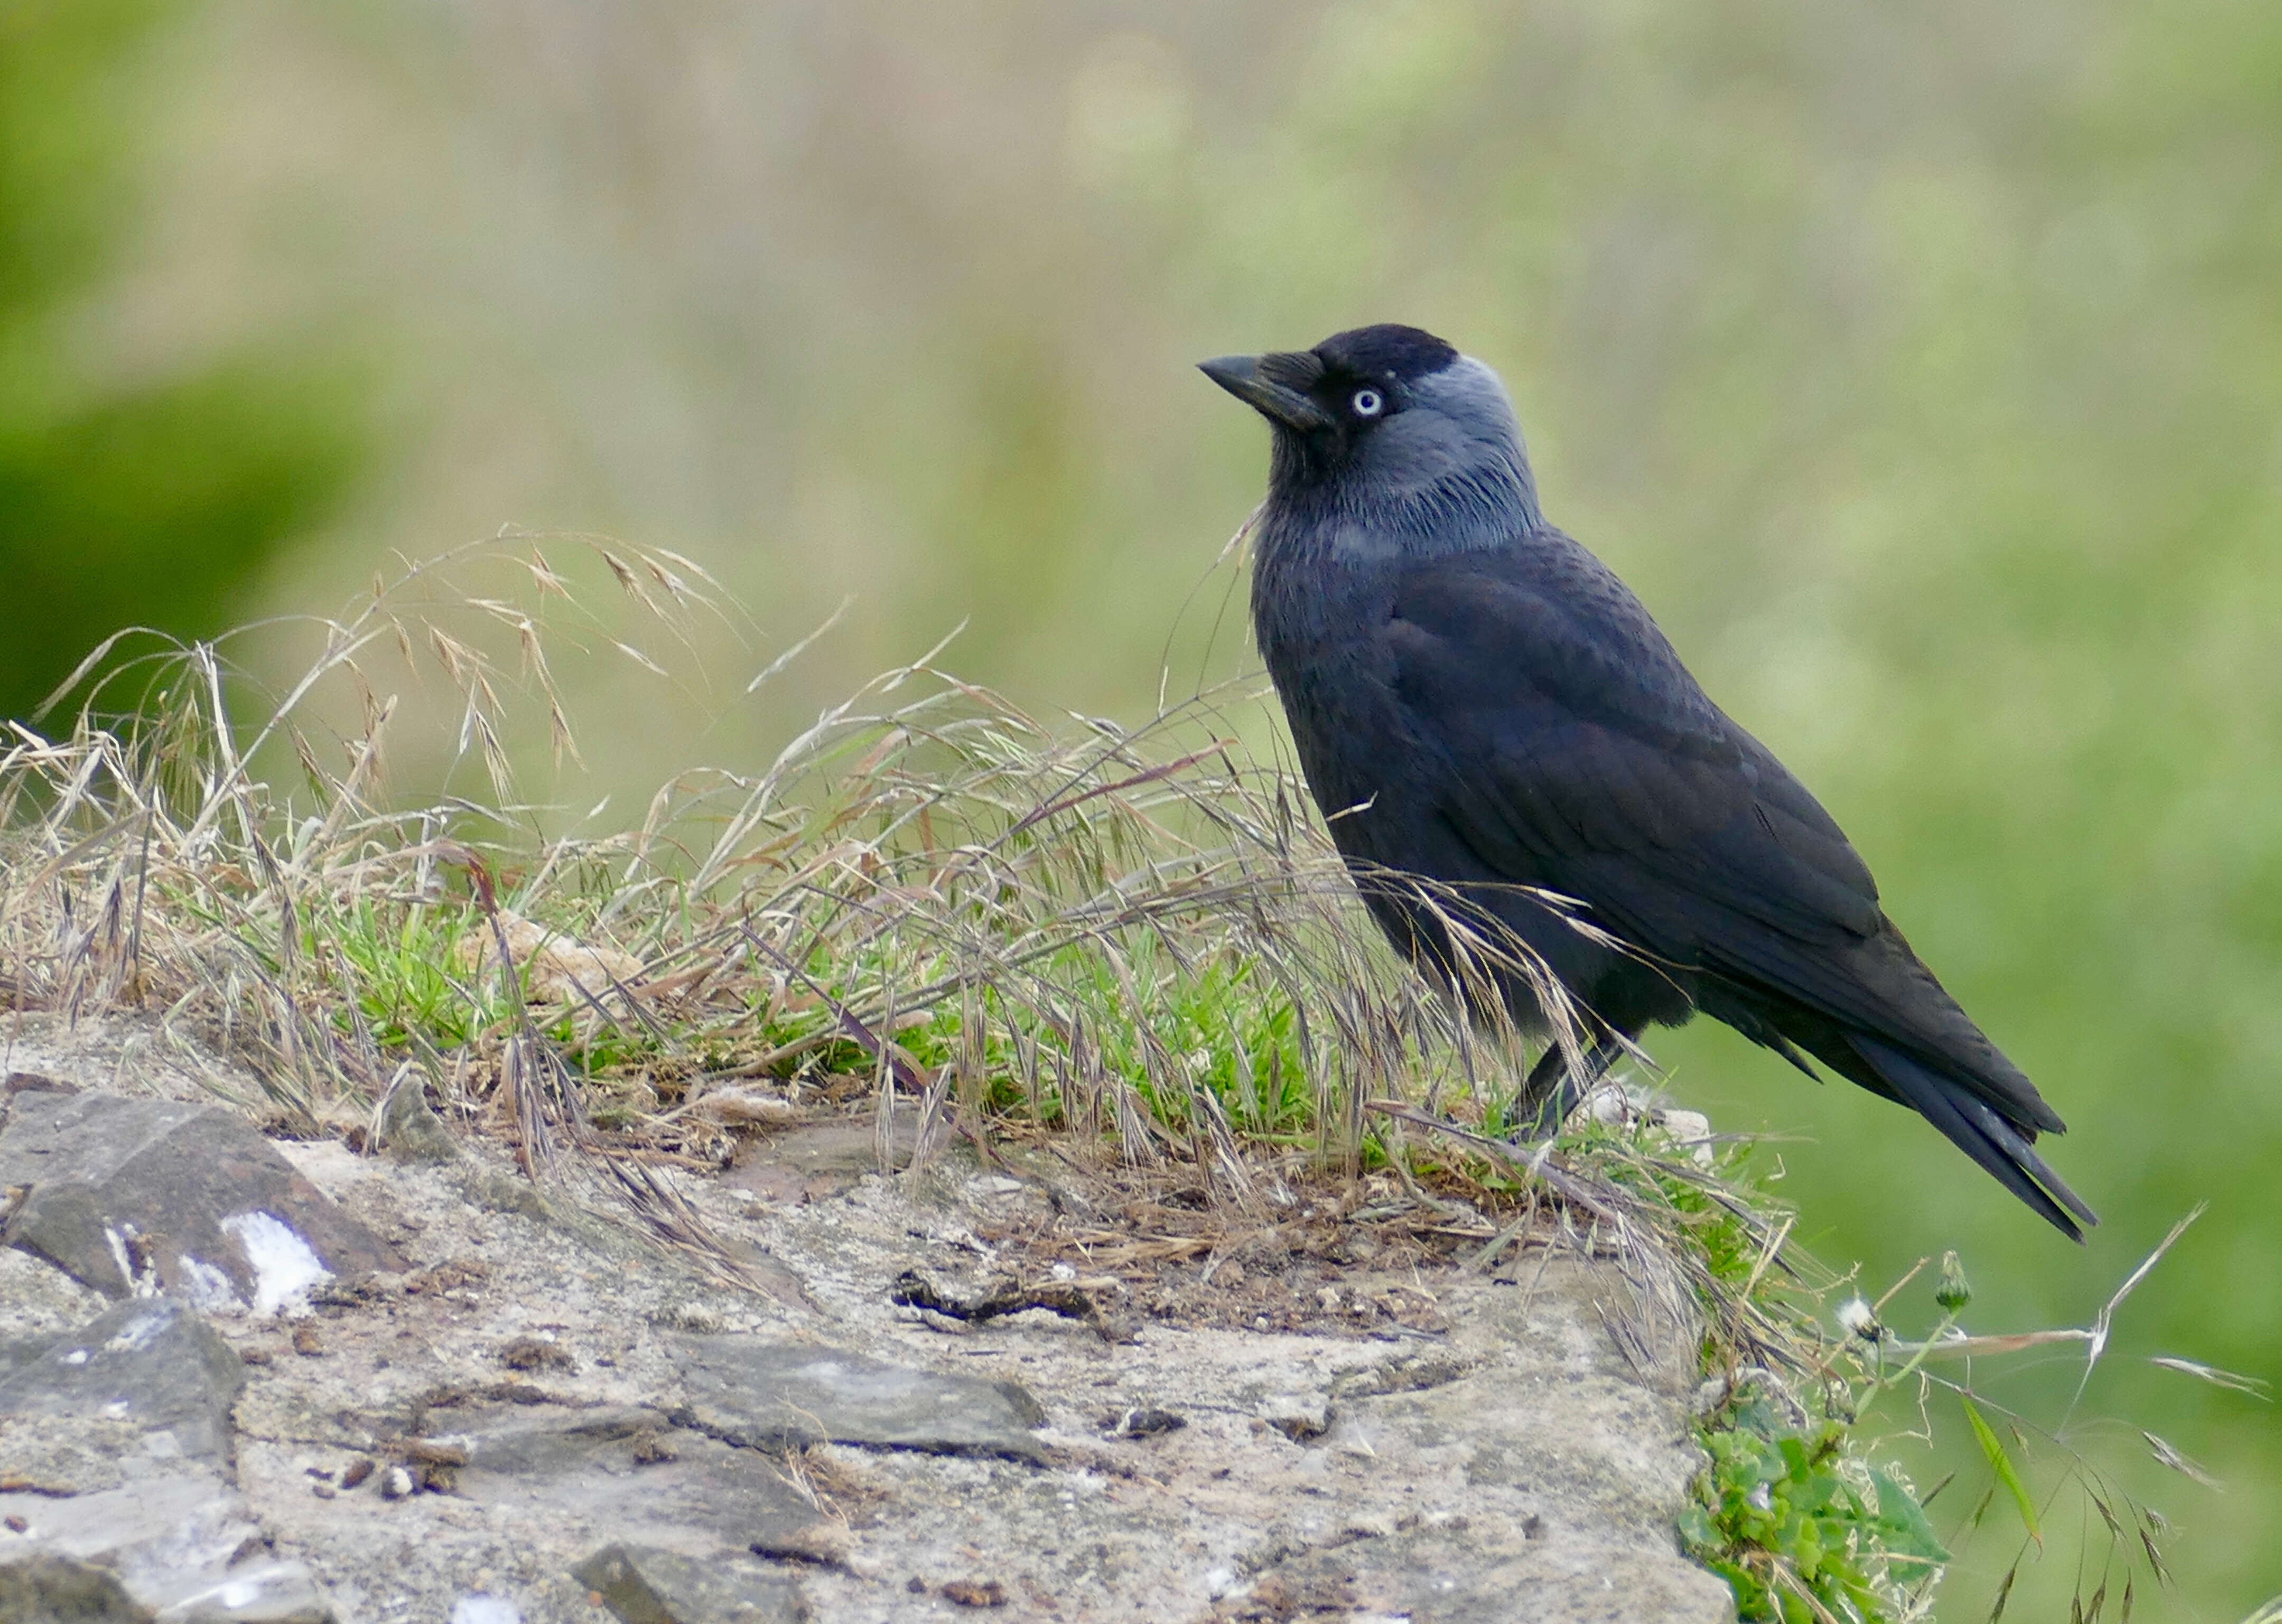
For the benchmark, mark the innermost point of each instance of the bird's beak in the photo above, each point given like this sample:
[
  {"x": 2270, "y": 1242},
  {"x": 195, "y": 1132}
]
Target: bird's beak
[{"x": 1274, "y": 386}]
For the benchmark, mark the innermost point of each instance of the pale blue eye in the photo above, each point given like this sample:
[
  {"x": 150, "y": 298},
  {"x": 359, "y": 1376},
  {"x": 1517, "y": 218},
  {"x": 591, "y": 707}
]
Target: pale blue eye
[{"x": 1367, "y": 403}]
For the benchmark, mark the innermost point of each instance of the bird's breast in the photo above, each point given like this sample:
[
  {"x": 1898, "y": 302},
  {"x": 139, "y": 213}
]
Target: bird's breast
[{"x": 1320, "y": 641}]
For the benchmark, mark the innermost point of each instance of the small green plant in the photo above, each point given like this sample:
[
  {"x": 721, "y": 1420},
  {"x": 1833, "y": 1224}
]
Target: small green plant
[
  {"x": 1793, "y": 1509},
  {"x": 1800, "y": 1528}
]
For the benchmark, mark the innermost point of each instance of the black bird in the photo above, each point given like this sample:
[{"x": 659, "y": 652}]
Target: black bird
[{"x": 1479, "y": 702}]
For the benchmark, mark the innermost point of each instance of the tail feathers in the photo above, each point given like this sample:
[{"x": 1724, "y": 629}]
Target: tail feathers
[{"x": 1970, "y": 1125}]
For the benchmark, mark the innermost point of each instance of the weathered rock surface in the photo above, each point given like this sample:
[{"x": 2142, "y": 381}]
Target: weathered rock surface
[
  {"x": 632, "y": 1473},
  {"x": 186, "y": 1547},
  {"x": 542, "y": 1421},
  {"x": 148, "y": 1381},
  {"x": 189, "y": 1197},
  {"x": 37, "y": 1587},
  {"x": 114, "y": 1445},
  {"x": 644, "y": 1585},
  {"x": 775, "y": 1396},
  {"x": 818, "y": 1161},
  {"x": 38, "y": 1303}
]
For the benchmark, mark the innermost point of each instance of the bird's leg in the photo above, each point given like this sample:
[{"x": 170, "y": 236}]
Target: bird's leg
[{"x": 1554, "y": 1088}]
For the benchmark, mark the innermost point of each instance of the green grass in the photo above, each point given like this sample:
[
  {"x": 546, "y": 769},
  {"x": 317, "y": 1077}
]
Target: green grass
[{"x": 398, "y": 971}]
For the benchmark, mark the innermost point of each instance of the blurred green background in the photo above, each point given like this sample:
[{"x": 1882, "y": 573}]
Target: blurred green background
[{"x": 1920, "y": 364}]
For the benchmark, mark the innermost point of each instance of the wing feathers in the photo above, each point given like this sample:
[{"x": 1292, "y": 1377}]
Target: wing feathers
[
  {"x": 1982, "y": 1134},
  {"x": 1572, "y": 750}
]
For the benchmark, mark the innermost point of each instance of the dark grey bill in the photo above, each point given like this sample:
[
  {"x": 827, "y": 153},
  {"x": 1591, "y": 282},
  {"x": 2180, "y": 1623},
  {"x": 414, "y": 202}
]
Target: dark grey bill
[{"x": 1265, "y": 383}]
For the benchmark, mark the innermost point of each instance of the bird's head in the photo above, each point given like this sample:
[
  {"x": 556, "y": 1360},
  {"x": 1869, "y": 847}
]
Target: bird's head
[{"x": 1383, "y": 414}]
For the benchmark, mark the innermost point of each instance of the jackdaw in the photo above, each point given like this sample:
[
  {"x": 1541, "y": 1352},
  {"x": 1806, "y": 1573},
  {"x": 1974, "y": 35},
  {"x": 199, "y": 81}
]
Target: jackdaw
[{"x": 1504, "y": 742}]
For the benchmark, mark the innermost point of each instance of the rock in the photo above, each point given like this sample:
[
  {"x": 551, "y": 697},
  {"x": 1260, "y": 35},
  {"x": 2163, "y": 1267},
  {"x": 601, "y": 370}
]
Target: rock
[
  {"x": 771, "y": 1396},
  {"x": 43, "y": 1303},
  {"x": 536, "y": 1352},
  {"x": 745, "y": 1106},
  {"x": 495, "y": 1190},
  {"x": 174, "y": 1544},
  {"x": 481, "y": 1608},
  {"x": 1691, "y": 1131},
  {"x": 34, "y": 1082},
  {"x": 1571, "y": 1464},
  {"x": 120, "y": 1432},
  {"x": 644, "y": 1585},
  {"x": 629, "y": 1472},
  {"x": 37, "y": 1588},
  {"x": 1299, "y": 1416},
  {"x": 409, "y": 1131},
  {"x": 816, "y": 1161},
  {"x": 556, "y": 968},
  {"x": 1141, "y": 1421},
  {"x": 974, "y": 1592},
  {"x": 544, "y": 1397},
  {"x": 148, "y": 1371},
  {"x": 123, "y": 1191}
]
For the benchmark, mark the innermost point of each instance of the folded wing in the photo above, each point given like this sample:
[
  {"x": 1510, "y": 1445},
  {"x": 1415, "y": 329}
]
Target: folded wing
[{"x": 1570, "y": 747}]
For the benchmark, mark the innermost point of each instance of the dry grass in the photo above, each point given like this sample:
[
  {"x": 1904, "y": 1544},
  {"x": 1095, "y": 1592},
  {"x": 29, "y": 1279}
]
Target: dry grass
[
  {"x": 1135, "y": 944},
  {"x": 1138, "y": 938}
]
